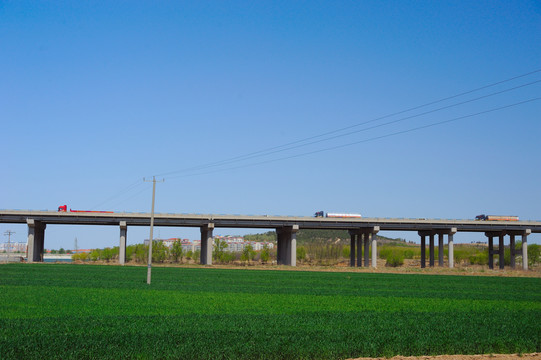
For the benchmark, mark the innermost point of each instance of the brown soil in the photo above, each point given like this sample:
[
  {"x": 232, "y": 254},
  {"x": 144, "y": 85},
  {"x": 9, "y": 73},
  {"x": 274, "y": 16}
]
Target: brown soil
[
  {"x": 463, "y": 357},
  {"x": 409, "y": 267}
]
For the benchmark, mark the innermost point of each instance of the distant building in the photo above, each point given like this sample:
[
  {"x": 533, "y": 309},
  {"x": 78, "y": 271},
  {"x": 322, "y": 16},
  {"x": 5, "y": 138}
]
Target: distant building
[
  {"x": 234, "y": 243},
  {"x": 13, "y": 247},
  {"x": 237, "y": 243}
]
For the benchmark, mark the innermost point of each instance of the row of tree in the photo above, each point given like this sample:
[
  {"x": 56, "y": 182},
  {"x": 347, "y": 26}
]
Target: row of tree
[
  {"x": 329, "y": 252},
  {"x": 138, "y": 253}
]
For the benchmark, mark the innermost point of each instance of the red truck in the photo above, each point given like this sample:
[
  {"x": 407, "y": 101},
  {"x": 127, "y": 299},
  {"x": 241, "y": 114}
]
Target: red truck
[{"x": 64, "y": 208}]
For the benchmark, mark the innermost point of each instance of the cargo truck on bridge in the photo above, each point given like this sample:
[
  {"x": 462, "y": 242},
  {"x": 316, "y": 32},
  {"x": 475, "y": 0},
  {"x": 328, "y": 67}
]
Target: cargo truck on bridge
[
  {"x": 64, "y": 208},
  {"x": 484, "y": 217},
  {"x": 336, "y": 215}
]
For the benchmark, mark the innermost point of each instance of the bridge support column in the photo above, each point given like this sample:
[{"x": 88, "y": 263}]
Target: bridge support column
[
  {"x": 440, "y": 249},
  {"x": 366, "y": 251},
  {"x": 501, "y": 251},
  {"x": 491, "y": 235},
  {"x": 372, "y": 234},
  {"x": 36, "y": 240},
  {"x": 122, "y": 245},
  {"x": 206, "y": 244},
  {"x": 292, "y": 248},
  {"x": 281, "y": 247},
  {"x": 287, "y": 245},
  {"x": 431, "y": 237},
  {"x": 367, "y": 242},
  {"x": 490, "y": 252},
  {"x": 451, "y": 256},
  {"x": 353, "y": 236},
  {"x": 512, "y": 250},
  {"x": 525, "y": 248},
  {"x": 423, "y": 249},
  {"x": 361, "y": 239}
]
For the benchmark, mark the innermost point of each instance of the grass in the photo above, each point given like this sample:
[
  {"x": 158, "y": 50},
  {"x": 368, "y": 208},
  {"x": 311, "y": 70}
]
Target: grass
[{"x": 82, "y": 311}]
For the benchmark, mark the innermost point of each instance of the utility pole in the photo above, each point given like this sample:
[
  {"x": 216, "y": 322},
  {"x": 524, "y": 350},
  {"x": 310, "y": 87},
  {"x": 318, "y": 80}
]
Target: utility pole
[
  {"x": 151, "y": 227},
  {"x": 8, "y": 233}
]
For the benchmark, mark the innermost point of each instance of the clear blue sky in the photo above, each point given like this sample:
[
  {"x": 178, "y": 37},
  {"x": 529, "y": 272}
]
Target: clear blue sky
[{"x": 95, "y": 96}]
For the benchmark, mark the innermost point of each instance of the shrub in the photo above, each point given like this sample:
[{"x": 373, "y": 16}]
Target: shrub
[
  {"x": 408, "y": 254},
  {"x": 461, "y": 255},
  {"x": 395, "y": 259},
  {"x": 228, "y": 257},
  {"x": 534, "y": 254},
  {"x": 265, "y": 254},
  {"x": 196, "y": 255},
  {"x": 94, "y": 255},
  {"x": 80, "y": 256},
  {"x": 346, "y": 251},
  {"x": 480, "y": 258},
  {"x": 248, "y": 253},
  {"x": 301, "y": 253}
]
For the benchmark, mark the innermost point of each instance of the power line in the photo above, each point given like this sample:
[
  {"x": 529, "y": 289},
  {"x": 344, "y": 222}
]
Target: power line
[
  {"x": 127, "y": 189},
  {"x": 335, "y": 134},
  {"x": 274, "y": 149},
  {"x": 373, "y": 126},
  {"x": 131, "y": 197},
  {"x": 364, "y": 140}
]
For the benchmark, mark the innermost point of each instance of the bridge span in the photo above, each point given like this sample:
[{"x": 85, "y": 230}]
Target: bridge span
[{"x": 363, "y": 231}]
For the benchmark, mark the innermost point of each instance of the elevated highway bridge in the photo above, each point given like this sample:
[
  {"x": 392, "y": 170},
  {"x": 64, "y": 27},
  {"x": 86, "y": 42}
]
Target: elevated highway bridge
[{"x": 363, "y": 231}]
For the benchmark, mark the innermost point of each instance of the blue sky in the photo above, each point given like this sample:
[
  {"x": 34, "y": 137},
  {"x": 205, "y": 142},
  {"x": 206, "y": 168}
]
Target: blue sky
[{"x": 95, "y": 96}]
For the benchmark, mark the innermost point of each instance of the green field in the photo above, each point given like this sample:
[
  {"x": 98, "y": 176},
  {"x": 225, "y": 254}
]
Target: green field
[{"x": 88, "y": 311}]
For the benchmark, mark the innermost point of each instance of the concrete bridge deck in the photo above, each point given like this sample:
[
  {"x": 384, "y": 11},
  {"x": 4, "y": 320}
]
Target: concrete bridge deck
[
  {"x": 362, "y": 230},
  {"x": 263, "y": 221}
]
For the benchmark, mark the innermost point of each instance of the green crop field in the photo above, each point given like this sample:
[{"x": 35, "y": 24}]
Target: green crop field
[{"x": 85, "y": 311}]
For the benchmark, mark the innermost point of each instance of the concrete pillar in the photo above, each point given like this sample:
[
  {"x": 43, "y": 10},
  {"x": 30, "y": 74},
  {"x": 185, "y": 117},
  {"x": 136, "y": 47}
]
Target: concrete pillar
[
  {"x": 30, "y": 240},
  {"x": 206, "y": 244},
  {"x": 525, "y": 248},
  {"x": 440, "y": 249},
  {"x": 451, "y": 247},
  {"x": 366, "y": 251},
  {"x": 423, "y": 250},
  {"x": 490, "y": 252},
  {"x": 360, "y": 240},
  {"x": 373, "y": 233},
  {"x": 352, "y": 248},
  {"x": 280, "y": 249},
  {"x": 36, "y": 240},
  {"x": 512, "y": 250},
  {"x": 292, "y": 248},
  {"x": 501, "y": 251},
  {"x": 122, "y": 246},
  {"x": 363, "y": 240},
  {"x": 431, "y": 237},
  {"x": 287, "y": 245}
]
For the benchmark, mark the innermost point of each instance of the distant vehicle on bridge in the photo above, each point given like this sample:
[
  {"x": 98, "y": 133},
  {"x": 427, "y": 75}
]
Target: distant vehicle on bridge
[
  {"x": 336, "y": 215},
  {"x": 484, "y": 217},
  {"x": 64, "y": 208}
]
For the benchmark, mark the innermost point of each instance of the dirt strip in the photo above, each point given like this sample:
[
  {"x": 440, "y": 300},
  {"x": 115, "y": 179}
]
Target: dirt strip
[{"x": 531, "y": 356}]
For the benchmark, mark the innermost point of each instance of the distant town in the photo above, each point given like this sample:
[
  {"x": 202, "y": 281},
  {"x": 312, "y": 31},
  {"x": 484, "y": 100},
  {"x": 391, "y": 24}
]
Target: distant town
[{"x": 234, "y": 244}]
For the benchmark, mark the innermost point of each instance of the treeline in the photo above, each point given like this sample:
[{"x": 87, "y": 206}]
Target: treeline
[
  {"x": 311, "y": 236},
  {"x": 138, "y": 254},
  {"x": 395, "y": 255},
  {"x": 323, "y": 252},
  {"x": 60, "y": 251},
  {"x": 465, "y": 254}
]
